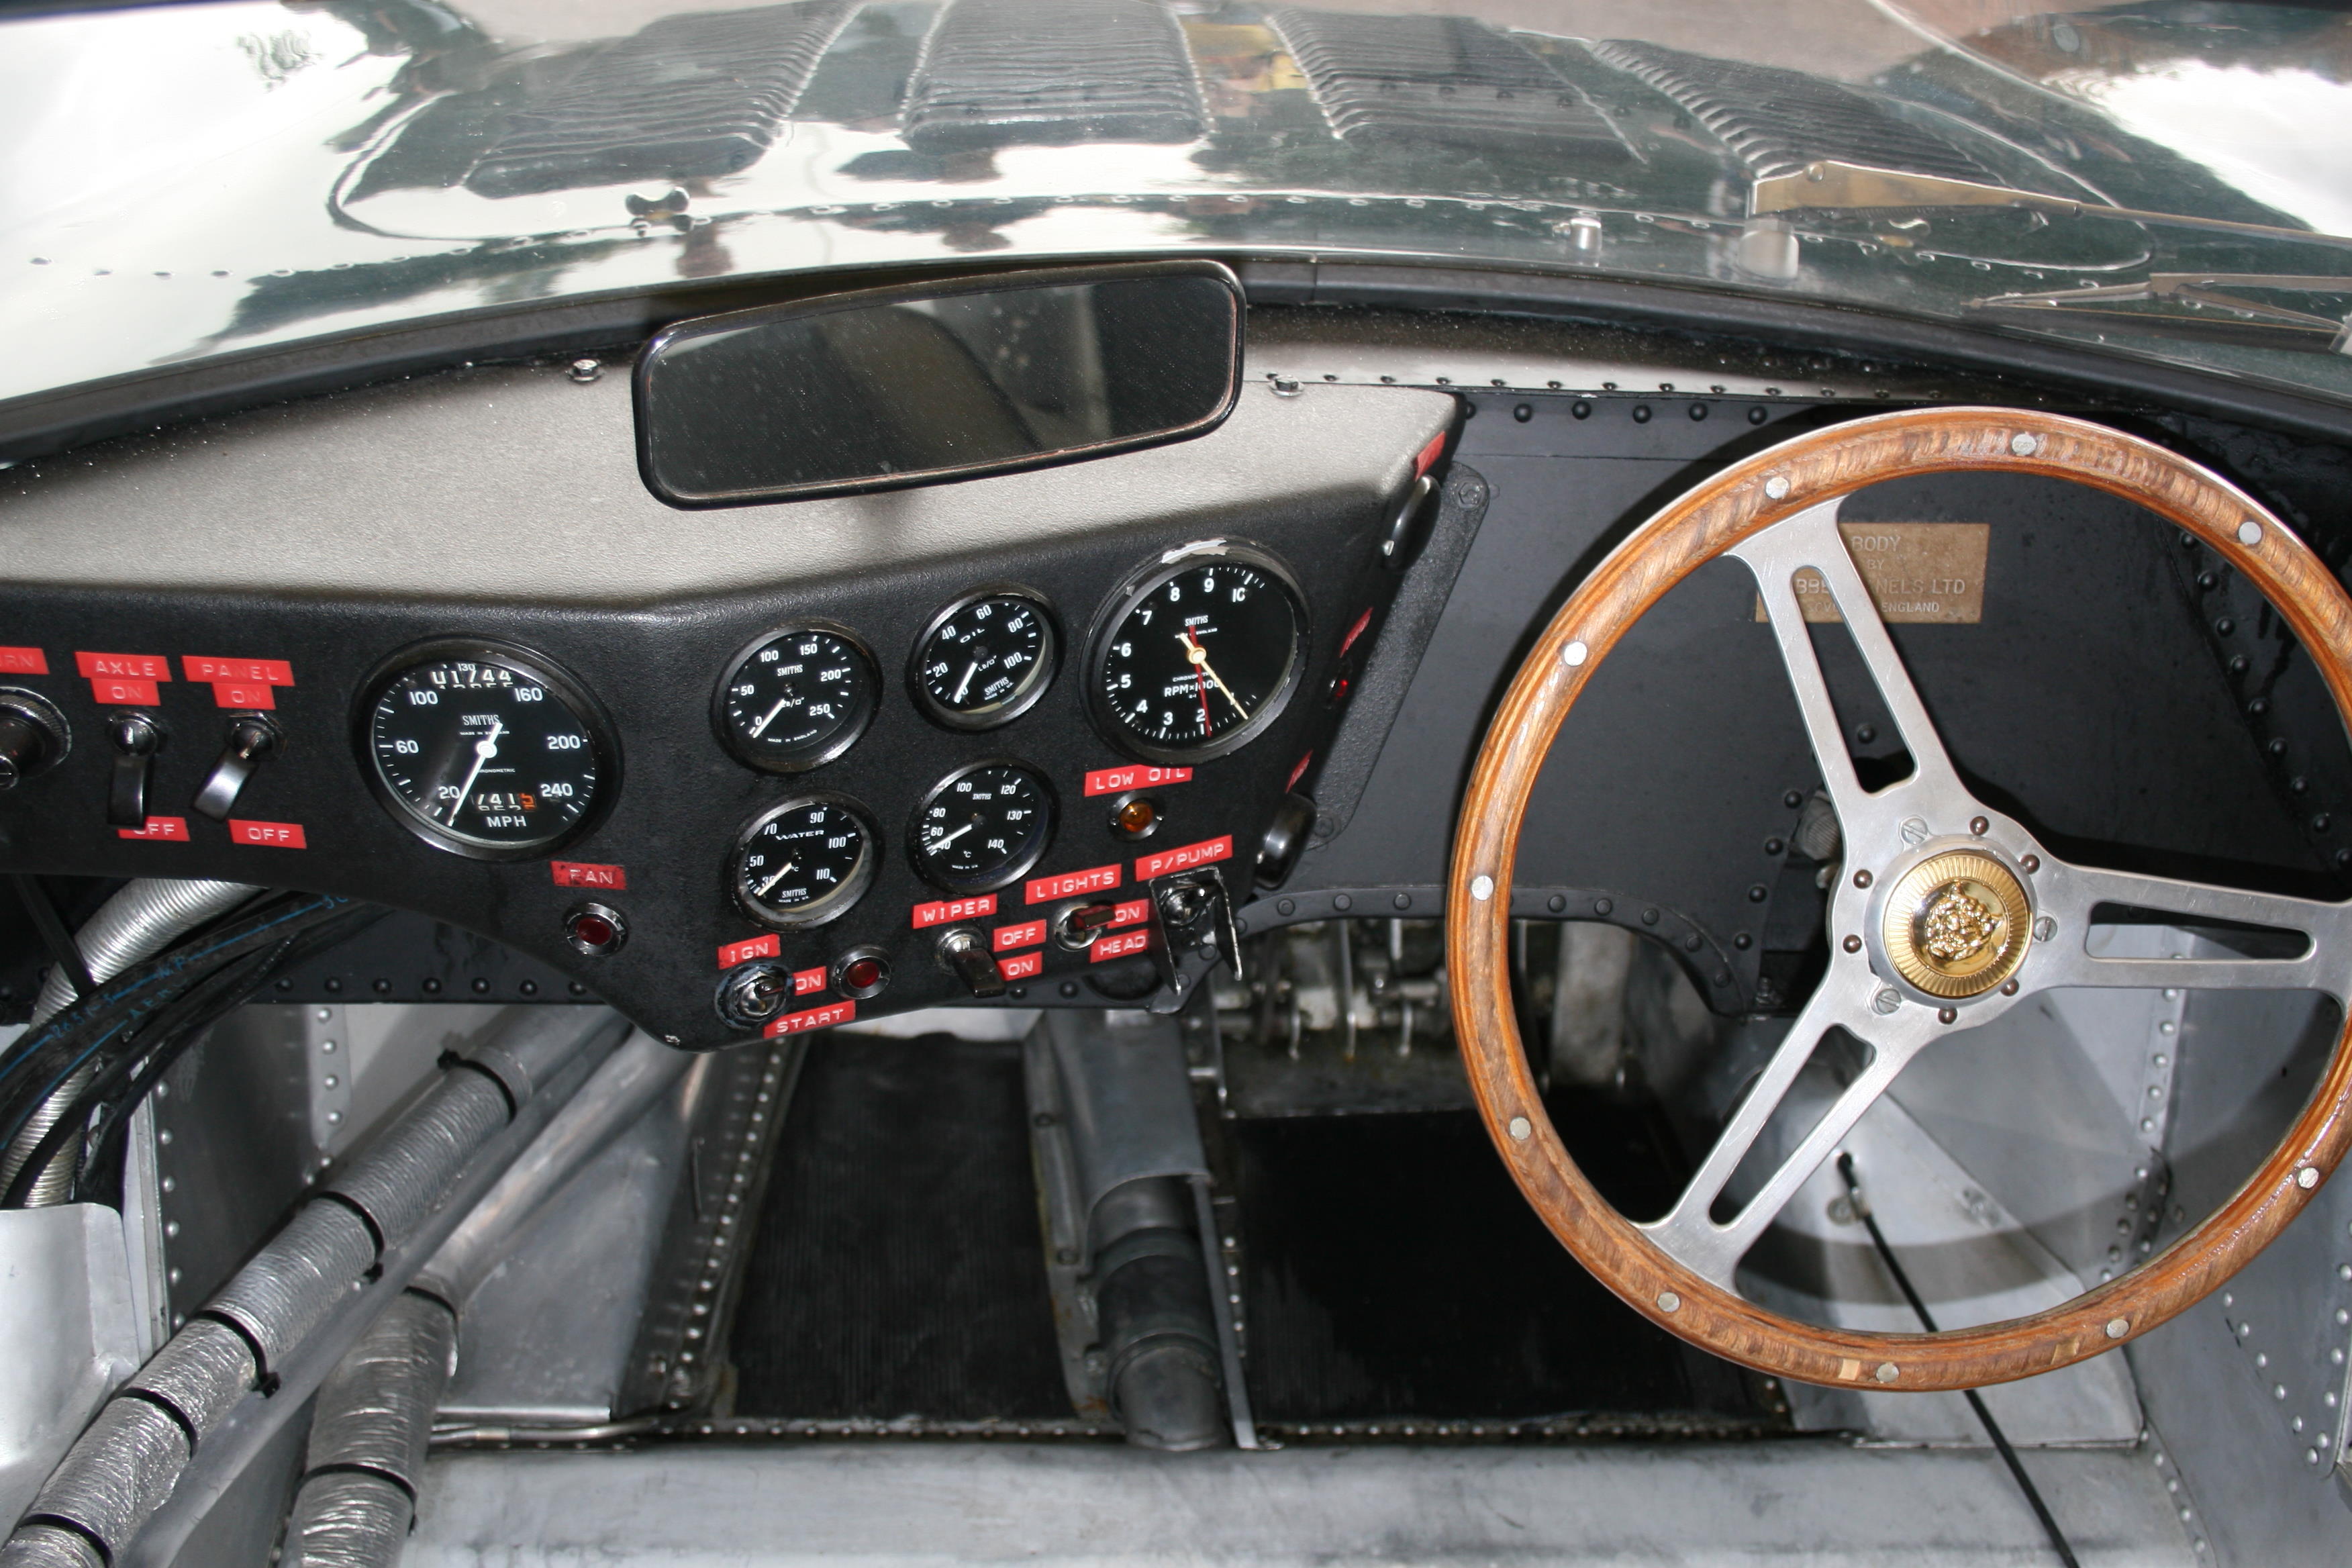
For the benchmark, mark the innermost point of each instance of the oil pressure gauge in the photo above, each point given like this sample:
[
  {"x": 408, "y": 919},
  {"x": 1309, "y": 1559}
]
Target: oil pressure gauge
[
  {"x": 985, "y": 658},
  {"x": 795, "y": 698}
]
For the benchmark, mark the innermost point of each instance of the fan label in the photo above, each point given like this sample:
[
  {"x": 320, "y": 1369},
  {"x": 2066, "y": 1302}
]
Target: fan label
[
  {"x": 1916, "y": 573},
  {"x": 815, "y": 1018},
  {"x": 1112, "y": 781},
  {"x": 588, "y": 874},
  {"x": 1183, "y": 858},
  {"x": 1070, "y": 884}
]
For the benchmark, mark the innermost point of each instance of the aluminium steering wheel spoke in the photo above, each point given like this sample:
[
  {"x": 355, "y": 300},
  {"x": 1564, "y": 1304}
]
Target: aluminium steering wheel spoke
[
  {"x": 2067, "y": 895},
  {"x": 1868, "y": 820},
  {"x": 1689, "y": 1232}
]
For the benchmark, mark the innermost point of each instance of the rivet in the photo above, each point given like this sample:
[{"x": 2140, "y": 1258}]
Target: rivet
[
  {"x": 1481, "y": 887},
  {"x": 1862, "y": 878},
  {"x": 1853, "y": 944},
  {"x": 1886, "y": 1373},
  {"x": 1948, "y": 1015},
  {"x": 2031, "y": 864},
  {"x": 2009, "y": 988},
  {"x": 2250, "y": 532},
  {"x": 1978, "y": 825},
  {"x": 1574, "y": 654},
  {"x": 1776, "y": 487},
  {"x": 1522, "y": 1129},
  {"x": 1669, "y": 1302},
  {"x": 2118, "y": 1327},
  {"x": 2307, "y": 1178},
  {"x": 2023, "y": 445}
]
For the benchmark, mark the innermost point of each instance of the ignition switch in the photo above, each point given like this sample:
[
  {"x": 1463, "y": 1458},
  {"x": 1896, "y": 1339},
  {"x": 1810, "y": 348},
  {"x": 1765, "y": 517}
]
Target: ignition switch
[{"x": 752, "y": 995}]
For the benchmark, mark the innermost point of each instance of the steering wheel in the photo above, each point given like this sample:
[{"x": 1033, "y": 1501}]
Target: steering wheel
[{"x": 1945, "y": 913}]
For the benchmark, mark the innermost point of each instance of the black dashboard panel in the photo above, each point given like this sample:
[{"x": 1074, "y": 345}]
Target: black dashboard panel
[{"x": 249, "y": 565}]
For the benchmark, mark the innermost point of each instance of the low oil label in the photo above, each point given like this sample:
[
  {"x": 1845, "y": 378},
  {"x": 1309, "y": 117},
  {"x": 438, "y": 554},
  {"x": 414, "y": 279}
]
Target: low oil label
[{"x": 1917, "y": 572}]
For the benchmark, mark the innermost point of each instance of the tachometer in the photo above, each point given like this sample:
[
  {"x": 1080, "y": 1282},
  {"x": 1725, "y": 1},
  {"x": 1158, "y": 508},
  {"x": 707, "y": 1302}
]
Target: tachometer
[
  {"x": 982, "y": 827},
  {"x": 1198, "y": 654},
  {"x": 803, "y": 862},
  {"x": 797, "y": 697},
  {"x": 485, "y": 749}
]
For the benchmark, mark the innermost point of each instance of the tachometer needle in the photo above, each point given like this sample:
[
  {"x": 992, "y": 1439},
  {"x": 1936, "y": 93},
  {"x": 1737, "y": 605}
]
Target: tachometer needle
[
  {"x": 484, "y": 750},
  {"x": 784, "y": 871},
  {"x": 962, "y": 686},
  {"x": 761, "y": 728},
  {"x": 1200, "y": 657}
]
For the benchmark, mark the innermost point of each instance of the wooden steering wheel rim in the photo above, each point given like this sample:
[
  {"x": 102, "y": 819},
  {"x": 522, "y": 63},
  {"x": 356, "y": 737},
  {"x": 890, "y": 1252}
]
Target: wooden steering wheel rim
[{"x": 1710, "y": 520}]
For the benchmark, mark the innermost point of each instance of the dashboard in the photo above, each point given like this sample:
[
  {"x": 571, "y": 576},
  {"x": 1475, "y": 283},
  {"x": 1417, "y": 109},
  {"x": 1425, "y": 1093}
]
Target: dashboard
[{"x": 739, "y": 774}]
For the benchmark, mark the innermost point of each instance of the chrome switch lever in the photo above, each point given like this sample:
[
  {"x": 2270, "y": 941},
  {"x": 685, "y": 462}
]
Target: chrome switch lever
[
  {"x": 137, "y": 738},
  {"x": 252, "y": 740},
  {"x": 965, "y": 951}
]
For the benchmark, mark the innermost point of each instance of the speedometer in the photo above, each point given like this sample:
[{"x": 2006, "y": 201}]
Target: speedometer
[
  {"x": 1198, "y": 654},
  {"x": 486, "y": 750}
]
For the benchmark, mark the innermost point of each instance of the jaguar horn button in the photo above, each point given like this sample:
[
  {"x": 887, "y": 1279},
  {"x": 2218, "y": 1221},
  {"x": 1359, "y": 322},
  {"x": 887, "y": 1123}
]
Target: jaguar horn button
[{"x": 1957, "y": 924}]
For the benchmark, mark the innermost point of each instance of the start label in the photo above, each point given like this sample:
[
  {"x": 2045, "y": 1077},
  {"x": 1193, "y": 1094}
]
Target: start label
[{"x": 824, "y": 1017}]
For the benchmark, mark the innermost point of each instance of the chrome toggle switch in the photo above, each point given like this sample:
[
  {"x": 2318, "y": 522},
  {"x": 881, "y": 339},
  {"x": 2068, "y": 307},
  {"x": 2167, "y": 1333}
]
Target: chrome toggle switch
[
  {"x": 137, "y": 738},
  {"x": 252, "y": 740}
]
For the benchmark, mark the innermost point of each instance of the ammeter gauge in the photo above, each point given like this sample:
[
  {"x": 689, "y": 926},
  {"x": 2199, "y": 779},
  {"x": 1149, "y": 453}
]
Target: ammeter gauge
[
  {"x": 795, "y": 698},
  {"x": 803, "y": 862},
  {"x": 982, "y": 827},
  {"x": 485, "y": 749},
  {"x": 985, "y": 658},
  {"x": 1197, "y": 655}
]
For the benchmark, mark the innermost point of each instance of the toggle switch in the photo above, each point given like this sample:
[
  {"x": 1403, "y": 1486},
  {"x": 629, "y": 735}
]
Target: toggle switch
[
  {"x": 137, "y": 738},
  {"x": 965, "y": 951},
  {"x": 33, "y": 735},
  {"x": 252, "y": 740},
  {"x": 1076, "y": 927}
]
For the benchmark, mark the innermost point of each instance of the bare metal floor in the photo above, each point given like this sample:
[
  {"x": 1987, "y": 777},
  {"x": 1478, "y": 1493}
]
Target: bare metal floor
[{"x": 1819, "y": 1504}]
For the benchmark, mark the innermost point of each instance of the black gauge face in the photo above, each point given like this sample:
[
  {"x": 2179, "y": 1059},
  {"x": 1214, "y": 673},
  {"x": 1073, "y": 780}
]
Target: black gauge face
[
  {"x": 1198, "y": 658},
  {"x": 795, "y": 698},
  {"x": 804, "y": 862},
  {"x": 985, "y": 659},
  {"x": 486, "y": 752},
  {"x": 982, "y": 826}
]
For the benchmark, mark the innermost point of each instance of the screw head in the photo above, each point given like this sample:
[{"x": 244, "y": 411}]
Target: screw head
[
  {"x": 1776, "y": 487},
  {"x": 1669, "y": 1302},
  {"x": 1885, "y": 1002},
  {"x": 584, "y": 371},
  {"x": 2044, "y": 929},
  {"x": 2023, "y": 445}
]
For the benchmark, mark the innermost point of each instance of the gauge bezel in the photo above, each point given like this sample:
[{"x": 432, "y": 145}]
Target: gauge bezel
[
  {"x": 851, "y": 731},
  {"x": 604, "y": 743},
  {"x": 1048, "y": 667},
  {"x": 1015, "y": 869},
  {"x": 1139, "y": 585},
  {"x": 833, "y": 905}
]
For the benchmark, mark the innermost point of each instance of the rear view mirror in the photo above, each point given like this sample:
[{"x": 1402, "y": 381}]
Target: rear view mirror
[{"x": 904, "y": 386}]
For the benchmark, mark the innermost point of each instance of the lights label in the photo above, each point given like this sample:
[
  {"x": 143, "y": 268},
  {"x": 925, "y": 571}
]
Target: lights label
[
  {"x": 588, "y": 874},
  {"x": 807, "y": 981},
  {"x": 172, "y": 829},
  {"x": 947, "y": 910},
  {"x": 1183, "y": 858},
  {"x": 1112, "y": 781},
  {"x": 1012, "y": 937},
  {"x": 824, "y": 1017},
  {"x": 1109, "y": 947},
  {"x": 267, "y": 835},
  {"x": 1070, "y": 884},
  {"x": 734, "y": 952},
  {"x": 1024, "y": 967}
]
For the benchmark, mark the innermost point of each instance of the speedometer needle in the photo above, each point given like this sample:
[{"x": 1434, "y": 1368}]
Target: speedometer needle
[
  {"x": 1200, "y": 658},
  {"x": 484, "y": 750}
]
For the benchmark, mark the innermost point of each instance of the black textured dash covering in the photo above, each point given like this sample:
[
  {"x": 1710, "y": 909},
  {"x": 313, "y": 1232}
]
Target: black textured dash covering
[
  {"x": 897, "y": 1268},
  {"x": 1391, "y": 1269}
]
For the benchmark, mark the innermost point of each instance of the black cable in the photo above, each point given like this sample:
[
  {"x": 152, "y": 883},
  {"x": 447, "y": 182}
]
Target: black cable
[
  {"x": 43, "y": 912},
  {"x": 1992, "y": 1427}
]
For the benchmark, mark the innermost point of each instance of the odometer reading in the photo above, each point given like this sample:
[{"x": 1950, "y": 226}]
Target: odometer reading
[
  {"x": 985, "y": 659},
  {"x": 982, "y": 826},
  {"x": 802, "y": 863},
  {"x": 795, "y": 698},
  {"x": 1200, "y": 657},
  {"x": 485, "y": 752}
]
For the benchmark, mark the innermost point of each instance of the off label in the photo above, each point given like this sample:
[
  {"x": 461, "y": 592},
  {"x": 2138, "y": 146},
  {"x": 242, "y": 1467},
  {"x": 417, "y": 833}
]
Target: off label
[
  {"x": 1012, "y": 937},
  {"x": 173, "y": 830},
  {"x": 267, "y": 835}
]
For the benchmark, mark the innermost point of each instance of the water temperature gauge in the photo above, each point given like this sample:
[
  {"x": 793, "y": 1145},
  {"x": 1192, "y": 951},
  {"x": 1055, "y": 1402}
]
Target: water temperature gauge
[
  {"x": 803, "y": 862},
  {"x": 797, "y": 697}
]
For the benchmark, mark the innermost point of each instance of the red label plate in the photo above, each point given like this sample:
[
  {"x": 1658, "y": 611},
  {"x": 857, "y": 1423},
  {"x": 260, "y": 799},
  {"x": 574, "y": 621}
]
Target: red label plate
[
  {"x": 750, "y": 947},
  {"x": 1135, "y": 775},
  {"x": 1130, "y": 913},
  {"x": 805, "y": 981},
  {"x": 1070, "y": 884},
  {"x": 137, "y": 693},
  {"x": 948, "y": 911},
  {"x": 1022, "y": 967},
  {"x": 247, "y": 671},
  {"x": 269, "y": 835},
  {"x": 1355, "y": 631},
  {"x": 23, "y": 661},
  {"x": 1120, "y": 946},
  {"x": 241, "y": 694},
  {"x": 824, "y": 1017},
  {"x": 174, "y": 828},
  {"x": 1012, "y": 939},
  {"x": 123, "y": 666},
  {"x": 588, "y": 874},
  {"x": 1183, "y": 858}
]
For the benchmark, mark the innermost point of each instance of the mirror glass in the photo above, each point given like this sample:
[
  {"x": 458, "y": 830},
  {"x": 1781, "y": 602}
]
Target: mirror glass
[{"x": 901, "y": 386}]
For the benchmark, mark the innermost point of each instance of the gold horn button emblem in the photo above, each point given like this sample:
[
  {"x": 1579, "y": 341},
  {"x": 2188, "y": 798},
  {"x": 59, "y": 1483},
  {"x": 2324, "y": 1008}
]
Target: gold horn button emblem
[{"x": 1957, "y": 924}]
